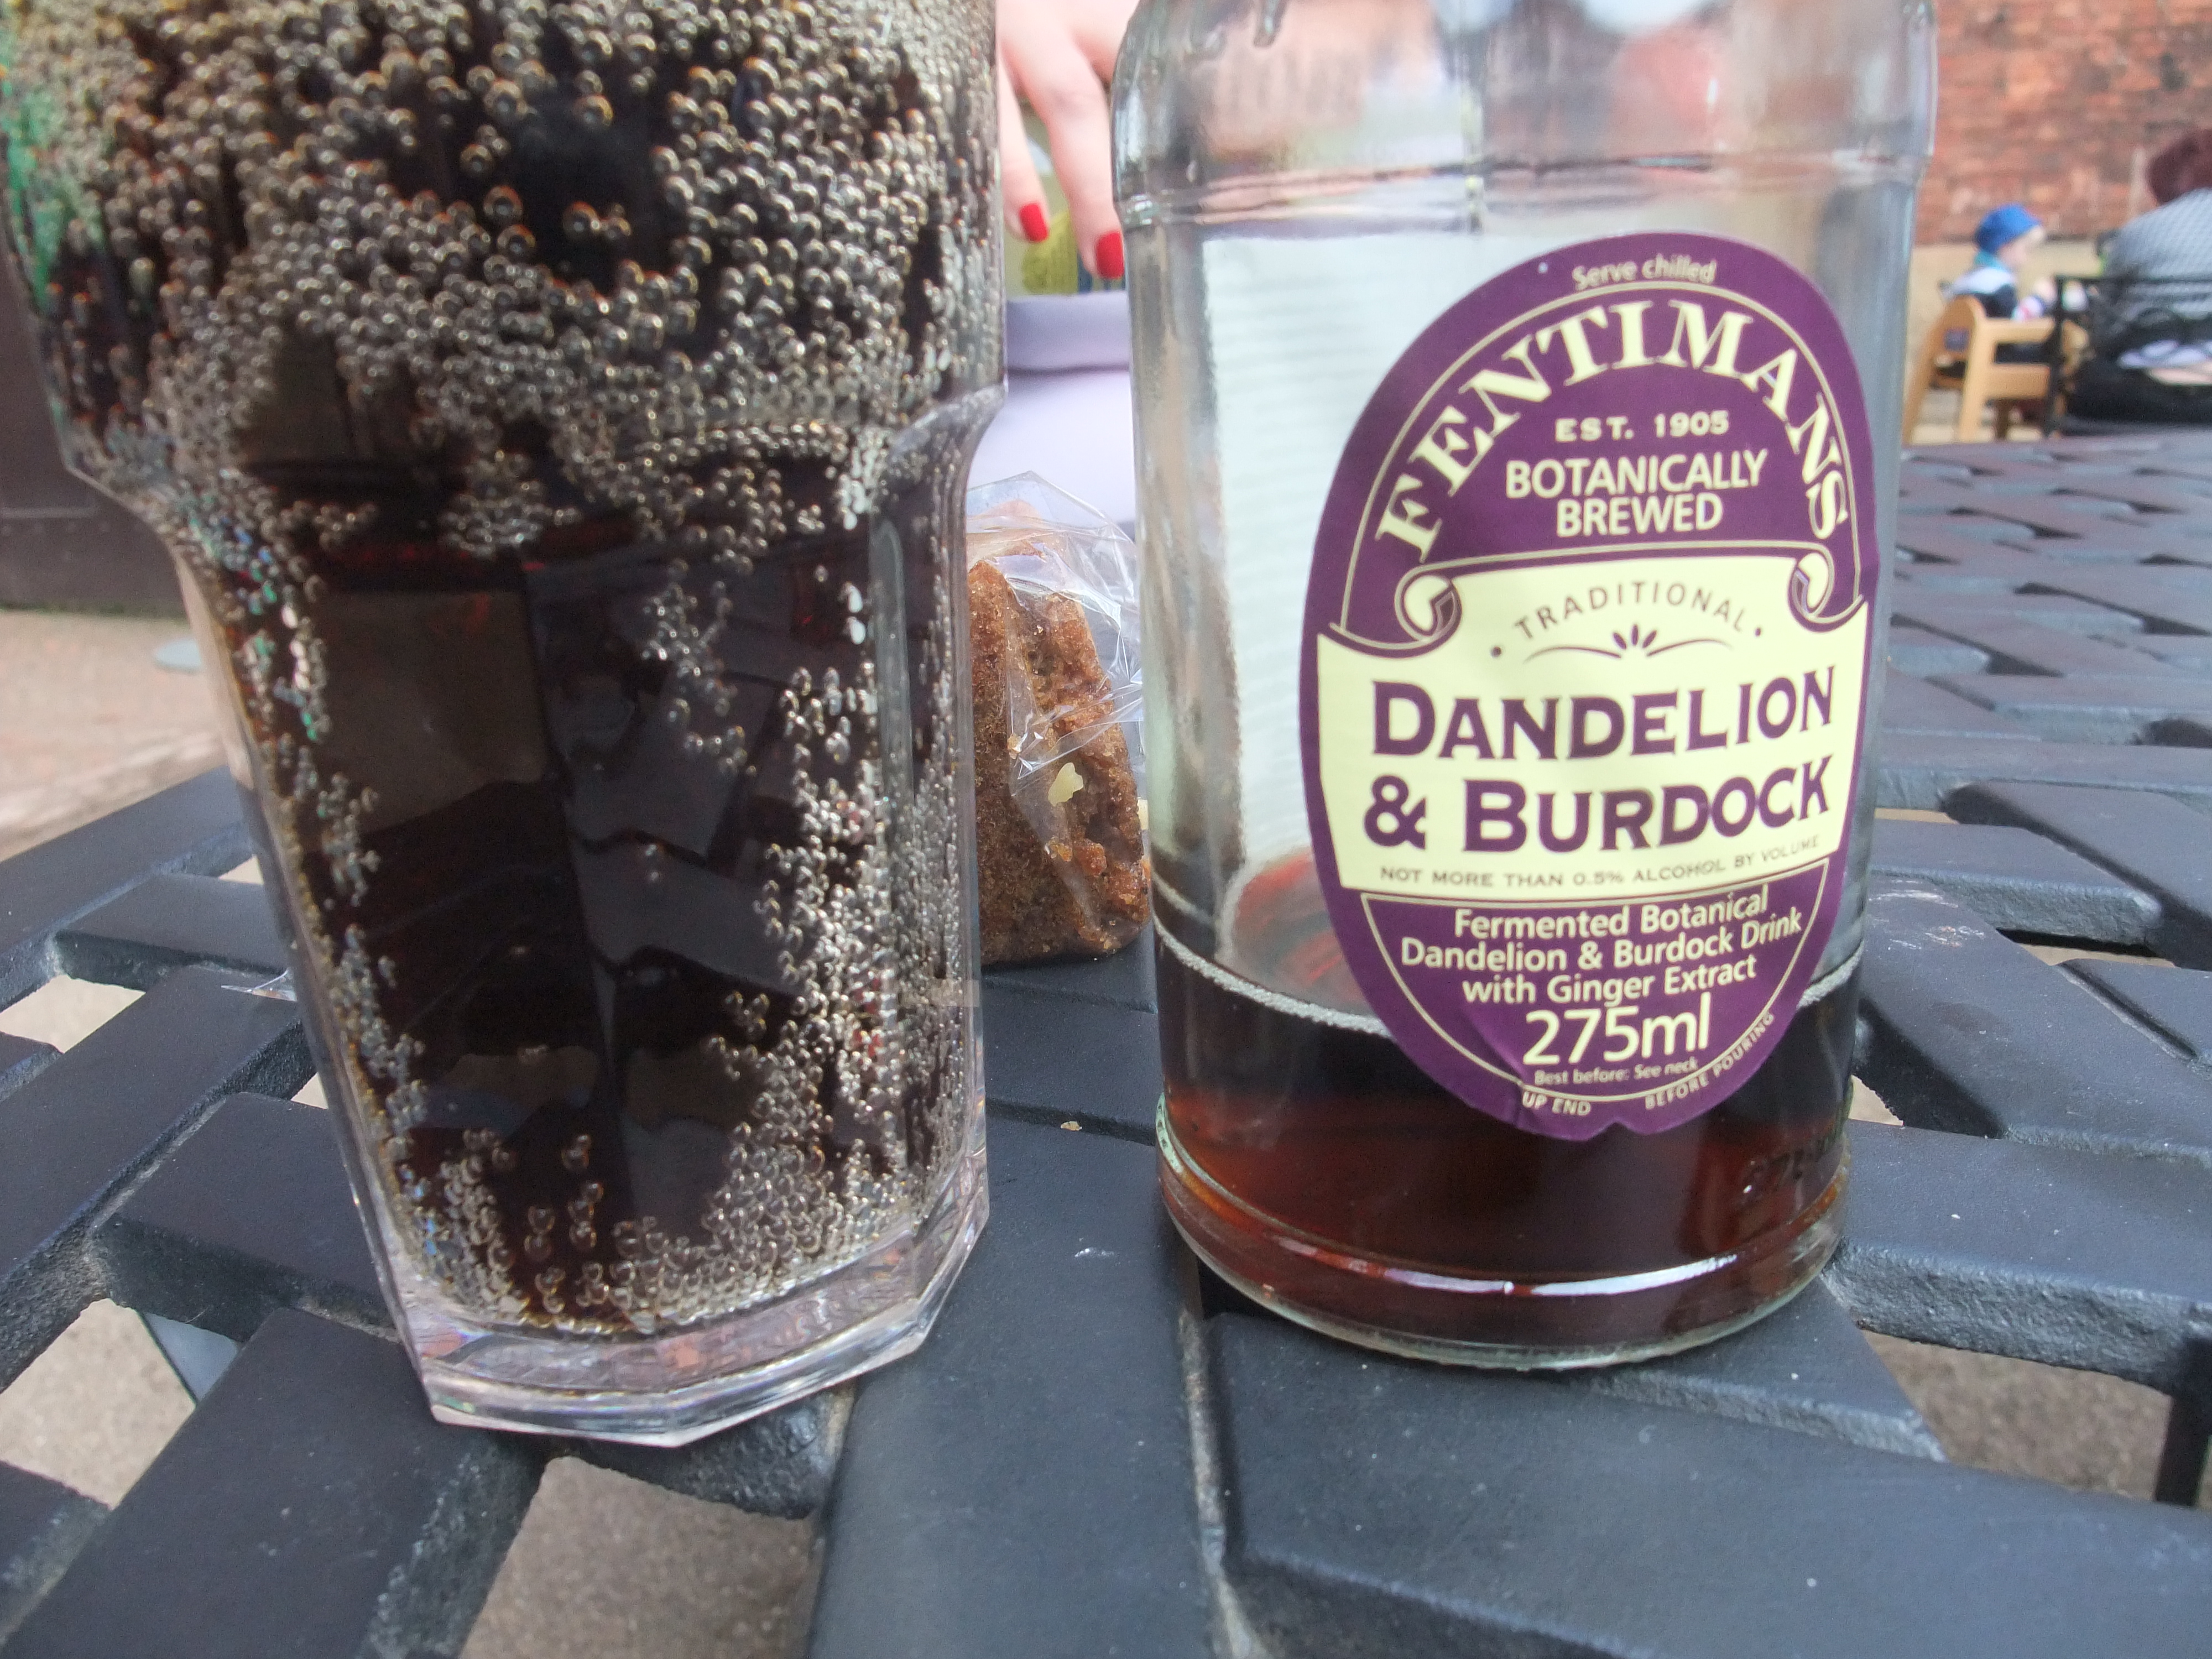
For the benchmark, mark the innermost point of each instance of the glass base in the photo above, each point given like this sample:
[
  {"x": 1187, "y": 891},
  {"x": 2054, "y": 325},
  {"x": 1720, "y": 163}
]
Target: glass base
[
  {"x": 690, "y": 1382},
  {"x": 1460, "y": 1318}
]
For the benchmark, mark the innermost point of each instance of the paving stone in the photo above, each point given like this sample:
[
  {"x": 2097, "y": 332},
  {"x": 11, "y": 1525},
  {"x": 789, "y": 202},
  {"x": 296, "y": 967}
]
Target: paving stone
[
  {"x": 2039, "y": 1253},
  {"x": 2175, "y": 1002},
  {"x": 168, "y": 921},
  {"x": 2156, "y": 499},
  {"x": 1911, "y": 507},
  {"x": 1958, "y": 564},
  {"x": 2190, "y": 654},
  {"x": 2018, "y": 648},
  {"x": 308, "y": 1506},
  {"x": 193, "y": 829},
  {"x": 1920, "y": 772},
  {"x": 2169, "y": 575},
  {"x": 2061, "y": 612},
  {"x": 1124, "y": 979},
  {"x": 2118, "y": 512},
  {"x": 1971, "y": 1033},
  {"x": 20, "y": 1060},
  {"x": 1994, "y": 570},
  {"x": 1804, "y": 1366},
  {"x": 2087, "y": 708},
  {"x": 2001, "y": 484},
  {"x": 2190, "y": 555},
  {"x": 83, "y": 1131},
  {"x": 2008, "y": 457},
  {"x": 2013, "y": 879},
  {"x": 1976, "y": 527},
  {"x": 1919, "y": 469},
  {"x": 2180, "y": 599},
  {"x": 1379, "y": 1508},
  {"x": 43, "y": 1524},
  {"x": 2066, "y": 463},
  {"x": 1050, "y": 1059},
  {"x": 2053, "y": 515},
  {"x": 1910, "y": 705},
  {"x": 2079, "y": 551},
  {"x": 1916, "y": 651},
  {"x": 1932, "y": 562},
  {"x": 2168, "y": 462},
  {"x": 2160, "y": 846},
  {"x": 1021, "y": 1487},
  {"x": 251, "y": 1213}
]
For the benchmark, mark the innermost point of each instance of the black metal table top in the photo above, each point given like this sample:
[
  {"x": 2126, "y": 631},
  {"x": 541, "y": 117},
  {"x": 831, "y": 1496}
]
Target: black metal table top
[{"x": 1101, "y": 1451}]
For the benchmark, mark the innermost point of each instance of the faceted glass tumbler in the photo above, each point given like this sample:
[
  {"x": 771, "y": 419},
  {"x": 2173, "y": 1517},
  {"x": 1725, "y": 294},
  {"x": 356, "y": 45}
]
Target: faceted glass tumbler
[{"x": 559, "y": 415}]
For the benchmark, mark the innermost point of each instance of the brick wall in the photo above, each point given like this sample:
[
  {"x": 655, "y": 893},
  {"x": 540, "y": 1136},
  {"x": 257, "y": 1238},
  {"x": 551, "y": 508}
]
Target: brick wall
[{"x": 2058, "y": 103}]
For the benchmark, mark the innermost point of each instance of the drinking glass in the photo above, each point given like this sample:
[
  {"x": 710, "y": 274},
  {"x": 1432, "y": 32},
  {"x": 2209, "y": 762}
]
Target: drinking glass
[{"x": 559, "y": 414}]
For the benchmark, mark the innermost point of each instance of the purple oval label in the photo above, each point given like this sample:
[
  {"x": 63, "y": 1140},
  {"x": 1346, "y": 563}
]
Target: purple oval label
[{"x": 1584, "y": 678}]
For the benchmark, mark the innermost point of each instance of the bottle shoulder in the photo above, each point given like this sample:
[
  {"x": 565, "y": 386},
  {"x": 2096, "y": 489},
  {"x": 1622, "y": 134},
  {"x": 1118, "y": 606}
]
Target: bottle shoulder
[{"x": 1256, "y": 96}]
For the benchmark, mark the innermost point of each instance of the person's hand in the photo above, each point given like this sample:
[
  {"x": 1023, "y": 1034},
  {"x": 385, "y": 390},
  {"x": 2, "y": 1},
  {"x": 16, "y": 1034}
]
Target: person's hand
[{"x": 1058, "y": 55}]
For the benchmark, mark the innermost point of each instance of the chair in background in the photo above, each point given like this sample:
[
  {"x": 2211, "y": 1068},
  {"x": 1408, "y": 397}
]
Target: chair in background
[{"x": 1961, "y": 353}]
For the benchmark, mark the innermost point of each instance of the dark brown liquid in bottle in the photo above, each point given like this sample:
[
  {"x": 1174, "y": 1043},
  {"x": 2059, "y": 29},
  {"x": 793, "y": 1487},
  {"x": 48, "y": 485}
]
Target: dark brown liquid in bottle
[{"x": 1318, "y": 1167}]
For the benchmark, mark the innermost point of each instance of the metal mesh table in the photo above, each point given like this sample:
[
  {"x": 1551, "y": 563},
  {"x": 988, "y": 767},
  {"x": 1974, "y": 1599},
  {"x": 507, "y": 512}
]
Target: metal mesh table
[{"x": 1101, "y": 1451}]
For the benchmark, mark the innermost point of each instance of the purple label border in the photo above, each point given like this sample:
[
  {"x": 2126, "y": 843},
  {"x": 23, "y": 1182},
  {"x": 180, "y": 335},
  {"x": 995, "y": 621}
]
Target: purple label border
[{"x": 1402, "y": 395}]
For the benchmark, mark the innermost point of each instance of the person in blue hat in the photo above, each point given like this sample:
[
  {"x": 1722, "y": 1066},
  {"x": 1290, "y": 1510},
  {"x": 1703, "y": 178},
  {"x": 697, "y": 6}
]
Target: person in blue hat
[{"x": 2002, "y": 242}]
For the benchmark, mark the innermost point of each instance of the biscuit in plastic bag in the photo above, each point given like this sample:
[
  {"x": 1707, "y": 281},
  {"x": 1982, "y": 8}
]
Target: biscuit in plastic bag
[{"x": 1053, "y": 633}]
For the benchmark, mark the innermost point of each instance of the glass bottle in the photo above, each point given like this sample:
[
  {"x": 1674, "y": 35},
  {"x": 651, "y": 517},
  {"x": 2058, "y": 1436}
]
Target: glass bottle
[
  {"x": 1518, "y": 385},
  {"x": 560, "y": 416}
]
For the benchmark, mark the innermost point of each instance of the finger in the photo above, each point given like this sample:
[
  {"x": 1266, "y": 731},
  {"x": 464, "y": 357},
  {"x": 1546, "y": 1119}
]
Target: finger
[
  {"x": 1065, "y": 91},
  {"x": 1021, "y": 193},
  {"x": 1098, "y": 26}
]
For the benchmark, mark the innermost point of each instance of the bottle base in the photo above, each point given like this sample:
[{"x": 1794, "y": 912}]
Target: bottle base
[
  {"x": 1462, "y": 1319},
  {"x": 695, "y": 1380}
]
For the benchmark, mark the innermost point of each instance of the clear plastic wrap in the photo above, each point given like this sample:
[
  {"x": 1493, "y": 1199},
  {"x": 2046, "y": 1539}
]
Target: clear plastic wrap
[{"x": 1060, "y": 746}]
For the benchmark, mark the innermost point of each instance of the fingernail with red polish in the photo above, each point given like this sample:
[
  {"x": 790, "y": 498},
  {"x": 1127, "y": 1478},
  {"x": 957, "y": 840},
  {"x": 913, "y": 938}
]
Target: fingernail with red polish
[
  {"x": 1033, "y": 222},
  {"x": 1110, "y": 255}
]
